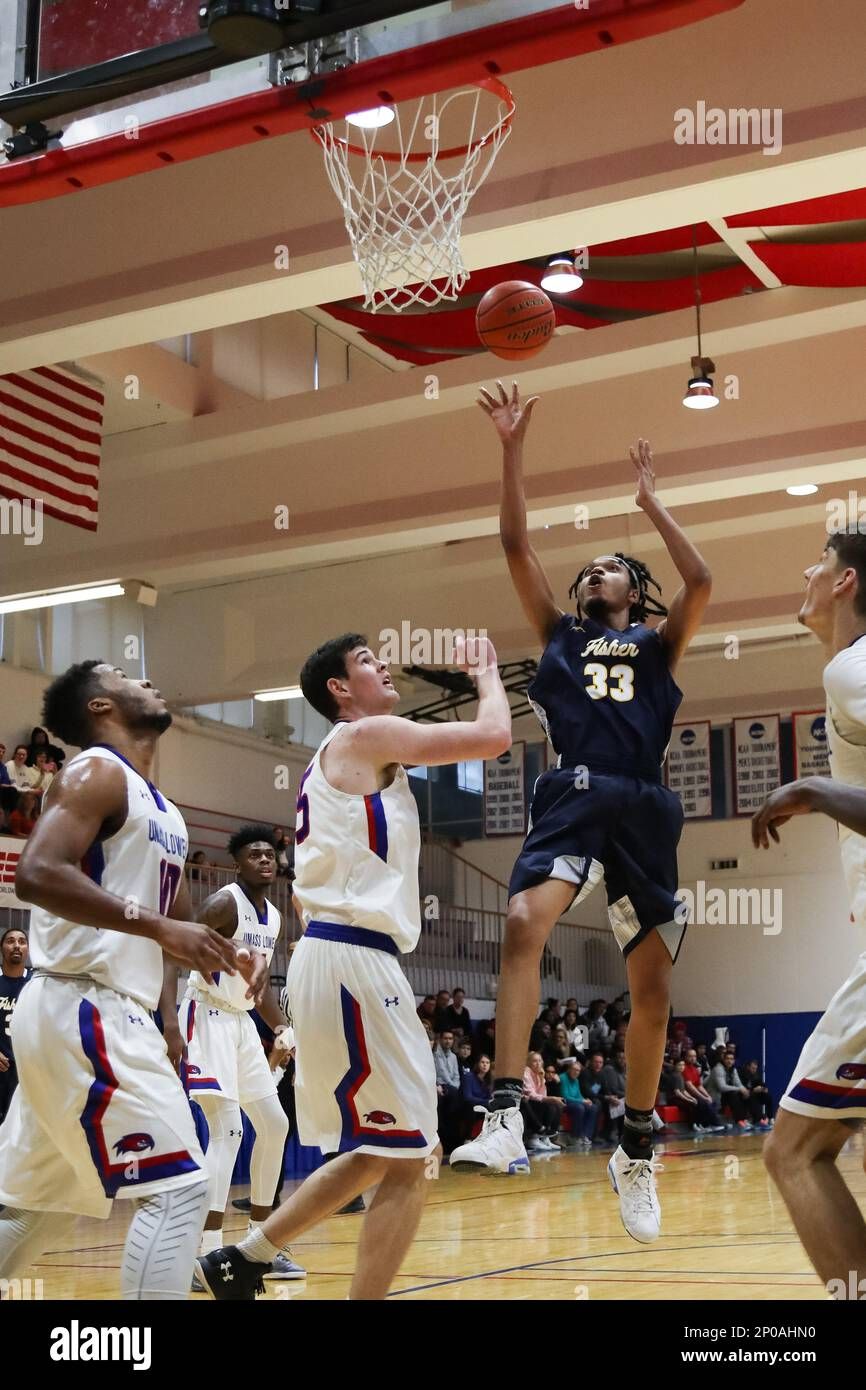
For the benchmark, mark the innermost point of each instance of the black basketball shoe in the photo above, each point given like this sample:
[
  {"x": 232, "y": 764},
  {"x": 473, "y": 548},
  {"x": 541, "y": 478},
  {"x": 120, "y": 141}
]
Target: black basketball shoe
[{"x": 228, "y": 1277}]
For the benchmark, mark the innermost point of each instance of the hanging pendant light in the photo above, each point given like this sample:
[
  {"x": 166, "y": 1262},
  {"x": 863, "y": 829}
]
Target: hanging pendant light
[{"x": 700, "y": 393}]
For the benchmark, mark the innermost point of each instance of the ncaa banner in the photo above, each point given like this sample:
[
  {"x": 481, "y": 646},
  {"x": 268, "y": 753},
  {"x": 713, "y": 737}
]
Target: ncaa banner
[
  {"x": 504, "y": 801},
  {"x": 689, "y": 768},
  {"x": 811, "y": 750},
  {"x": 10, "y": 852},
  {"x": 757, "y": 766}
]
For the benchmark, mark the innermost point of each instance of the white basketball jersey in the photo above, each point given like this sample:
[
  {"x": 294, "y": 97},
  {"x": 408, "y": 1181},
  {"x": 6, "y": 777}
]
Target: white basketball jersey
[
  {"x": 356, "y": 857},
  {"x": 142, "y": 863},
  {"x": 845, "y": 684},
  {"x": 258, "y": 933}
]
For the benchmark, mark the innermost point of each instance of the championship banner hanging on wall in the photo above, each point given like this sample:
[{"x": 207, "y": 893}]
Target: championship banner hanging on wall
[
  {"x": 504, "y": 801},
  {"x": 811, "y": 750},
  {"x": 689, "y": 768},
  {"x": 757, "y": 768}
]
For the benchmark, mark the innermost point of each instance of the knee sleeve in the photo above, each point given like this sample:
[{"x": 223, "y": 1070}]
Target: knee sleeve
[
  {"x": 226, "y": 1130},
  {"x": 268, "y": 1119},
  {"x": 162, "y": 1243},
  {"x": 25, "y": 1235}
]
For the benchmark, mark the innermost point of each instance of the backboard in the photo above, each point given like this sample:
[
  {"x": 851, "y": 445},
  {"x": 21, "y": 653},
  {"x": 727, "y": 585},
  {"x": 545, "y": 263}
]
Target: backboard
[{"x": 107, "y": 88}]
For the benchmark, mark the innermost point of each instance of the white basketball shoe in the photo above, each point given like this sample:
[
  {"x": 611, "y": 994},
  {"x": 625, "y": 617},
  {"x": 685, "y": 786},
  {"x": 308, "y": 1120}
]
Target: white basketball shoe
[
  {"x": 498, "y": 1148},
  {"x": 633, "y": 1180}
]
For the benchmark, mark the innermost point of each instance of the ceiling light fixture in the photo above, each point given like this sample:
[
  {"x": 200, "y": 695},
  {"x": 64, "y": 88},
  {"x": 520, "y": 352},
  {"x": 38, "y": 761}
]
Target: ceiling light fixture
[
  {"x": 700, "y": 394},
  {"x": 289, "y": 692},
  {"x": 801, "y": 489},
  {"x": 562, "y": 275},
  {"x": 53, "y": 598},
  {"x": 371, "y": 119}
]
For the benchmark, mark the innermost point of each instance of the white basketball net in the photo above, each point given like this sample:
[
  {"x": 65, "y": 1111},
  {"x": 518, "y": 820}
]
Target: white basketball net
[{"x": 404, "y": 214}]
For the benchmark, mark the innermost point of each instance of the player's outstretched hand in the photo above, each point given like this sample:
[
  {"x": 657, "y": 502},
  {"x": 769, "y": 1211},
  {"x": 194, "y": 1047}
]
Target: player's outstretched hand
[
  {"x": 474, "y": 655},
  {"x": 197, "y": 946},
  {"x": 793, "y": 800},
  {"x": 509, "y": 414},
  {"x": 642, "y": 458},
  {"x": 257, "y": 973}
]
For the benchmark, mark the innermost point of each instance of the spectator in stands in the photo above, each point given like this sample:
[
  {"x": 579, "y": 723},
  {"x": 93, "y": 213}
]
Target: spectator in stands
[
  {"x": 5, "y": 779},
  {"x": 24, "y": 817},
  {"x": 476, "y": 1083},
  {"x": 284, "y": 852},
  {"x": 443, "y": 999},
  {"x": 486, "y": 1040},
  {"x": 760, "y": 1101},
  {"x": 573, "y": 1028},
  {"x": 463, "y": 1049},
  {"x": 19, "y": 773},
  {"x": 570, "y": 1003},
  {"x": 544, "y": 1111},
  {"x": 539, "y": 1038},
  {"x": 551, "y": 1081},
  {"x": 591, "y": 1086},
  {"x": 559, "y": 1051},
  {"x": 8, "y": 793},
  {"x": 599, "y": 1030},
  {"x": 427, "y": 1009},
  {"x": 702, "y": 1115},
  {"x": 581, "y": 1109},
  {"x": 550, "y": 1013},
  {"x": 694, "y": 1082},
  {"x": 613, "y": 1094},
  {"x": 456, "y": 1015},
  {"x": 678, "y": 1041},
  {"x": 428, "y": 1027},
  {"x": 41, "y": 773},
  {"x": 448, "y": 1089},
  {"x": 615, "y": 1013},
  {"x": 726, "y": 1088},
  {"x": 702, "y": 1061},
  {"x": 39, "y": 742},
  {"x": 617, "y": 1042},
  {"x": 196, "y": 864}
]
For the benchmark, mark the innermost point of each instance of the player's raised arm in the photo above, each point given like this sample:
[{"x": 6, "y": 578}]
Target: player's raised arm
[
  {"x": 88, "y": 799},
  {"x": 689, "y": 602},
  {"x": 510, "y": 418},
  {"x": 384, "y": 738}
]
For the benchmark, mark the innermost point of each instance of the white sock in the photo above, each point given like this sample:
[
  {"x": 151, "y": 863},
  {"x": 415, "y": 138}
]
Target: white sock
[
  {"x": 256, "y": 1248},
  {"x": 211, "y": 1240}
]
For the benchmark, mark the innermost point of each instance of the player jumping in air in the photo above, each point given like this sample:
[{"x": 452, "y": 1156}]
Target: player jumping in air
[
  {"x": 606, "y": 697},
  {"x": 826, "y": 1099},
  {"x": 99, "y": 1111},
  {"x": 365, "y": 1082}
]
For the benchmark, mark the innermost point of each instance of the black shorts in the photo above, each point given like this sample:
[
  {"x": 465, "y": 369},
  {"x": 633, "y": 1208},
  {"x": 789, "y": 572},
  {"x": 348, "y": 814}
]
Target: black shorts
[
  {"x": 608, "y": 825},
  {"x": 8, "y": 1082}
]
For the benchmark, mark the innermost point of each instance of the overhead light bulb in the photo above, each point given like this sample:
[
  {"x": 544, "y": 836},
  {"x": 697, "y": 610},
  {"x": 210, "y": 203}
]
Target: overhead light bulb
[
  {"x": 801, "y": 489},
  {"x": 700, "y": 394},
  {"x": 371, "y": 119},
  {"x": 561, "y": 276}
]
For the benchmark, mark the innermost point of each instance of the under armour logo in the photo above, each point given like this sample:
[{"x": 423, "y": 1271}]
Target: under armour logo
[
  {"x": 389, "y": 1002},
  {"x": 213, "y": 1013},
  {"x": 236, "y": 1134},
  {"x": 226, "y": 1272},
  {"x": 133, "y": 1018}
]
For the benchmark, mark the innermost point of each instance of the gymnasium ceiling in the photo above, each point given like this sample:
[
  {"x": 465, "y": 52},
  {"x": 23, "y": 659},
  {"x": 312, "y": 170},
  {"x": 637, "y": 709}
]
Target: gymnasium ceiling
[{"x": 393, "y": 494}]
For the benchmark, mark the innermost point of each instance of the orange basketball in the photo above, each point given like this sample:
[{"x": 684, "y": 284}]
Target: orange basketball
[{"x": 515, "y": 320}]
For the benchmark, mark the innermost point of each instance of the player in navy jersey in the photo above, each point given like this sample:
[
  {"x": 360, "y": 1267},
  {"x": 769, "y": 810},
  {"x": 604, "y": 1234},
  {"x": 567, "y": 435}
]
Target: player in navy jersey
[
  {"x": 14, "y": 975},
  {"x": 606, "y": 697}
]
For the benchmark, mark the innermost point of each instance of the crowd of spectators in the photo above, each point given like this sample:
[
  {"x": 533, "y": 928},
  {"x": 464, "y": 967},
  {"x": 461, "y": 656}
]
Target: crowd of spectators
[
  {"x": 575, "y": 1076},
  {"x": 24, "y": 779}
]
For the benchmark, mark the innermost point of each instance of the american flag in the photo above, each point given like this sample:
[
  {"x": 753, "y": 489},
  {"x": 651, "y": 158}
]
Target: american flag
[{"x": 50, "y": 442}]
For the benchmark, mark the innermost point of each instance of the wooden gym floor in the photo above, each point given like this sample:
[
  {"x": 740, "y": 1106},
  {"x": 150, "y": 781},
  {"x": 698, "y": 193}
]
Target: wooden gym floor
[{"x": 553, "y": 1235}]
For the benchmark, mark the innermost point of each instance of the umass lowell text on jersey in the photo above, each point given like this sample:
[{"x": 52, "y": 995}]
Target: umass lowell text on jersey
[{"x": 607, "y": 702}]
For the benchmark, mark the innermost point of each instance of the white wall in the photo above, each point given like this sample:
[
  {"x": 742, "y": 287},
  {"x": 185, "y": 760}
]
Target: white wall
[{"x": 739, "y": 969}]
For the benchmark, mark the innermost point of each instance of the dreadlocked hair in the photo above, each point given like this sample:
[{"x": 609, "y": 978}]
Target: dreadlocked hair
[{"x": 647, "y": 605}]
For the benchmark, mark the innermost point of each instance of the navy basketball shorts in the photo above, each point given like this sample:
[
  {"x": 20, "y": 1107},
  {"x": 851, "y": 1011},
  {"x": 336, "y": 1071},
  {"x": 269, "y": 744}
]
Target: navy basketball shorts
[{"x": 608, "y": 826}]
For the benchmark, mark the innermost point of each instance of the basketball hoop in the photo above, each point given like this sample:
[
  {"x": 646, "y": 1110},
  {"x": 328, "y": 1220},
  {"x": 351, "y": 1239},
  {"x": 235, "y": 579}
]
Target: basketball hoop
[{"x": 403, "y": 213}]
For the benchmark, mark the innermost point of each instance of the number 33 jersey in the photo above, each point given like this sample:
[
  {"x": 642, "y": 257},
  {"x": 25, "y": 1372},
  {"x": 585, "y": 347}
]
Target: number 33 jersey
[
  {"x": 606, "y": 699},
  {"x": 142, "y": 864}
]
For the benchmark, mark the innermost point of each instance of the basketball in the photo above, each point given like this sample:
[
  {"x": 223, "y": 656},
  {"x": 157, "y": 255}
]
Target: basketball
[{"x": 515, "y": 320}]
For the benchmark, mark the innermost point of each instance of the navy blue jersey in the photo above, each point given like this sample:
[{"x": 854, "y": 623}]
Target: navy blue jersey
[
  {"x": 606, "y": 699},
  {"x": 10, "y": 988}
]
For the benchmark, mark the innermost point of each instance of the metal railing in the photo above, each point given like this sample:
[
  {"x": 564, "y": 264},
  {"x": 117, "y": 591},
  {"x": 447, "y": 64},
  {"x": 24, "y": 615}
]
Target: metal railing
[{"x": 460, "y": 943}]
